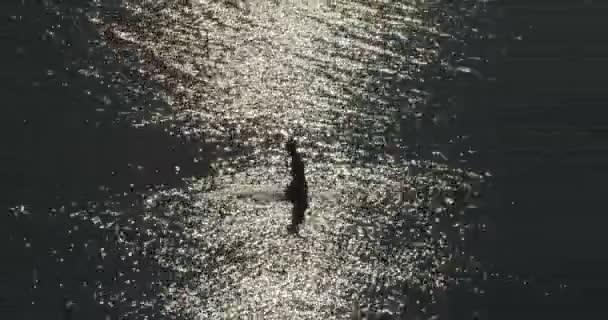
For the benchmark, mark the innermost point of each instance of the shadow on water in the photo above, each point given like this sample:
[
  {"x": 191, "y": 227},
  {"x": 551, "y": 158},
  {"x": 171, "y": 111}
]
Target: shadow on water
[{"x": 65, "y": 146}]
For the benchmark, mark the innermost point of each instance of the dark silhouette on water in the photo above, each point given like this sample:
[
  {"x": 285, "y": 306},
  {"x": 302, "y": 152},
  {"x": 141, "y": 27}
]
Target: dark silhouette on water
[{"x": 297, "y": 190}]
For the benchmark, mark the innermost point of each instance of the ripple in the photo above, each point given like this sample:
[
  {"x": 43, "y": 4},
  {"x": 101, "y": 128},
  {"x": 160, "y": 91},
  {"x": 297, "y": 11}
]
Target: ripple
[{"x": 381, "y": 230}]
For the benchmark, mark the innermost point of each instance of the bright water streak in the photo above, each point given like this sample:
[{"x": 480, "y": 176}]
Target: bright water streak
[{"x": 336, "y": 76}]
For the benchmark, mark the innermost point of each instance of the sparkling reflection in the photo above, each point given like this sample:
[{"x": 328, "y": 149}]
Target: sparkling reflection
[{"x": 383, "y": 231}]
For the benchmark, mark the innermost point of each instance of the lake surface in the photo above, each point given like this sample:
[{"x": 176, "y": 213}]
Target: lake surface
[
  {"x": 544, "y": 138},
  {"x": 455, "y": 155}
]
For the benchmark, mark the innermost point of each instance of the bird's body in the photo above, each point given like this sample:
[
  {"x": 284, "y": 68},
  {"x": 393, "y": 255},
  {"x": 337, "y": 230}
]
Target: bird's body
[{"x": 297, "y": 190}]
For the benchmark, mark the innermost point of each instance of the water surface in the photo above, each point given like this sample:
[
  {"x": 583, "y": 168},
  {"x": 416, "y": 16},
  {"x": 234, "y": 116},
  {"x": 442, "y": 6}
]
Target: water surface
[{"x": 357, "y": 83}]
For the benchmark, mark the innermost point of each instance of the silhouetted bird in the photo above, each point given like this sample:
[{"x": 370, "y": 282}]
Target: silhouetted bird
[{"x": 297, "y": 190}]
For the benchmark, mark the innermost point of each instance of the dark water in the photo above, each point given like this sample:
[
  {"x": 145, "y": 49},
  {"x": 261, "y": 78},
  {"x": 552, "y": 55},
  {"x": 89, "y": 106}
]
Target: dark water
[
  {"x": 538, "y": 127},
  {"x": 65, "y": 145},
  {"x": 541, "y": 129}
]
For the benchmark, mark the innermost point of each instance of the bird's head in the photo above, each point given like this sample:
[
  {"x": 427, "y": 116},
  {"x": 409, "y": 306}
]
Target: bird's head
[{"x": 291, "y": 146}]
